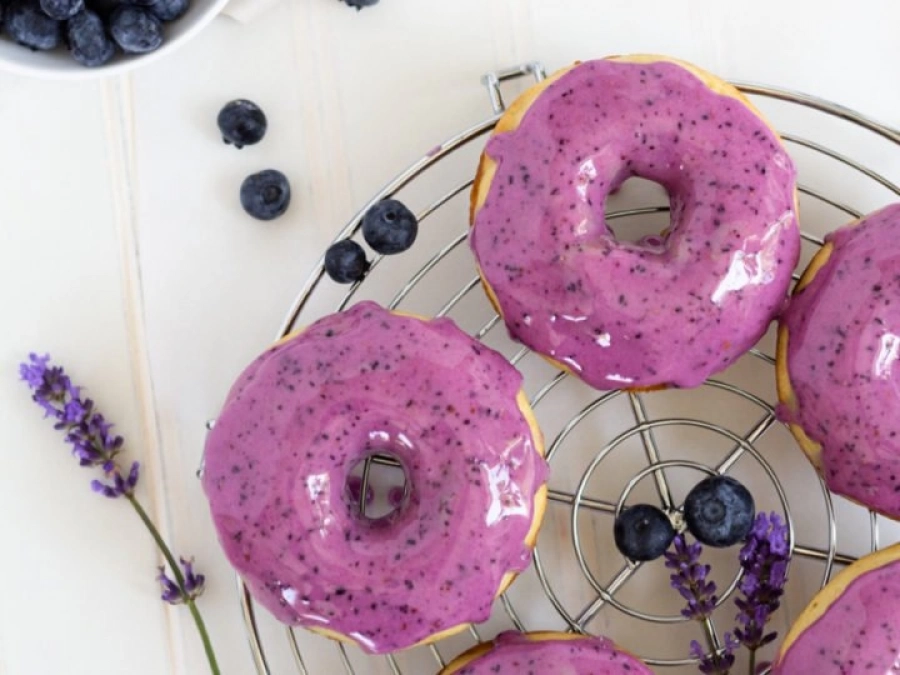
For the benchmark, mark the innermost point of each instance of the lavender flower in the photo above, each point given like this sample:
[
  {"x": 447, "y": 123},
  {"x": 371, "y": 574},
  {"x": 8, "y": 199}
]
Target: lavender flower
[
  {"x": 94, "y": 445},
  {"x": 89, "y": 434},
  {"x": 121, "y": 486},
  {"x": 716, "y": 663},
  {"x": 171, "y": 592},
  {"x": 690, "y": 578},
  {"x": 764, "y": 558},
  {"x": 194, "y": 584}
]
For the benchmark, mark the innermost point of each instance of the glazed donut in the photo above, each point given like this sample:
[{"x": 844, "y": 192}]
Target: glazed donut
[
  {"x": 546, "y": 652},
  {"x": 451, "y": 411},
  {"x": 838, "y": 343},
  {"x": 852, "y": 626},
  {"x": 672, "y": 309}
]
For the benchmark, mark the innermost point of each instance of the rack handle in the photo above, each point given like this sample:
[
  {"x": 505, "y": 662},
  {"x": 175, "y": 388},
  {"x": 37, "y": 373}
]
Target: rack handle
[{"x": 493, "y": 80}]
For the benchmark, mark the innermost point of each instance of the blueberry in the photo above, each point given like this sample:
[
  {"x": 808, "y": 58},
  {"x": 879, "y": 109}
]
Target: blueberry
[
  {"x": 169, "y": 10},
  {"x": 88, "y": 40},
  {"x": 135, "y": 29},
  {"x": 345, "y": 262},
  {"x": 643, "y": 532},
  {"x": 389, "y": 227},
  {"x": 266, "y": 195},
  {"x": 242, "y": 123},
  {"x": 62, "y": 9},
  {"x": 719, "y": 511},
  {"x": 359, "y": 4},
  {"x": 27, "y": 24}
]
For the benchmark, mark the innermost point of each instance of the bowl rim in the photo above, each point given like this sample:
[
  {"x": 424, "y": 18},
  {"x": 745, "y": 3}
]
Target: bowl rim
[{"x": 118, "y": 67}]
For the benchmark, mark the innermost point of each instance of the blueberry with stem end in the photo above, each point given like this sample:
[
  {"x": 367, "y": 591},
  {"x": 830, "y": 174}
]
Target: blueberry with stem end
[
  {"x": 345, "y": 262},
  {"x": 242, "y": 123},
  {"x": 135, "y": 29},
  {"x": 89, "y": 44},
  {"x": 643, "y": 532},
  {"x": 26, "y": 23},
  {"x": 719, "y": 511},
  {"x": 266, "y": 195},
  {"x": 61, "y": 10},
  {"x": 389, "y": 227}
]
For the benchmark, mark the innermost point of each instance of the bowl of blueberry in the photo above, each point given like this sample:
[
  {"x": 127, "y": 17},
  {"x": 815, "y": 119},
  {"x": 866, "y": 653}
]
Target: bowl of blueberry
[{"x": 79, "y": 38}]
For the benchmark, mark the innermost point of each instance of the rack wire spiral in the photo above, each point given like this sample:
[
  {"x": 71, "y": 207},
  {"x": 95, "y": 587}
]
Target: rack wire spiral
[{"x": 650, "y": 444}]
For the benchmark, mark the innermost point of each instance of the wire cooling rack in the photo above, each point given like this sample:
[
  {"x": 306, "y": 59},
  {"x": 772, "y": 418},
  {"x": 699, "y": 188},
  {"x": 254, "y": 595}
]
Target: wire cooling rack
[{"x": 609, "y": 449}]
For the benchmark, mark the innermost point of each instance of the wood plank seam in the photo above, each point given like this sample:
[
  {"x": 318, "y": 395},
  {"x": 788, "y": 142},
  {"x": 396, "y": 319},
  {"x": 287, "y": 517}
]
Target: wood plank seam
[
  {"x": 119, "y": 119},
  {"x": 328, "y": 181}
]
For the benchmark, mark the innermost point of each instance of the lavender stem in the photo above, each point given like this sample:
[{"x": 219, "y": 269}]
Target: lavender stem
[
  {"x": 179, "y": 579},
  {"x": 95, "y": 446}
]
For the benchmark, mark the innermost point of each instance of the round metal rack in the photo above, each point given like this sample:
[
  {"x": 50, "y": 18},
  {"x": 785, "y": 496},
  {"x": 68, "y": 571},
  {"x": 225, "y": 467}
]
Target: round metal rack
[{"x": 669, "y": 436}]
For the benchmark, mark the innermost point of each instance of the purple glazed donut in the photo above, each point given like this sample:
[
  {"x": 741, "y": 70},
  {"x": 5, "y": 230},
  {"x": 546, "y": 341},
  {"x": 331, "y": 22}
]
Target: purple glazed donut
[
  {"x": 670, "y": 310},
  {"x": 278, "y": 467},
  {"x": 513, "y": 653},
  {"x": 838, "y": 345},
  {"x": 852, "y": 626}
]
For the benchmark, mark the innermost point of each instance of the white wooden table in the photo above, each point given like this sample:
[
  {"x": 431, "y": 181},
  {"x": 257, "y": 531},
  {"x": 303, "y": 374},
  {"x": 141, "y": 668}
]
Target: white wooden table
[{"x": 125, "y": 254}]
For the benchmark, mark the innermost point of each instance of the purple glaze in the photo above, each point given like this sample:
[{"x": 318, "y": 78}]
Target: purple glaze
[
  {"x": 859, "y": 634},
  {"x": 668, "y": 311},
  {"x": 843, "y": 344},
  {"x": 306, "y": 411},
  {"x": 513, "y": 654}
]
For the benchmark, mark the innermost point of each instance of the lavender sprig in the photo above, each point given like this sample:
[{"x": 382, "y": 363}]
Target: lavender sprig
[
  {"x": 690, "y": 579},
  {"x": 94, "y": 445},
  {"x": 89, "y": 434},
  {"x": 764, "y": 559}
]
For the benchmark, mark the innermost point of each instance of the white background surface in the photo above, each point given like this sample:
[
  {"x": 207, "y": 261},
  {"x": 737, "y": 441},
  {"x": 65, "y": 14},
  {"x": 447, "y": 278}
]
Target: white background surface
[{"x": 124, "y": 251}]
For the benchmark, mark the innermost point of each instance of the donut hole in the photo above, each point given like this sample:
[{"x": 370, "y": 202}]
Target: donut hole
[
  {"x": 642, "y": 228},
  {"x": 382, "y": 477}
]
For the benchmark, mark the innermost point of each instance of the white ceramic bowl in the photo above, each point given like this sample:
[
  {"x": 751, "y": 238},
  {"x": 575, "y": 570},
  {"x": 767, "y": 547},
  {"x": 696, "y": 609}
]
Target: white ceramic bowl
[{"x": 57, "y": 64}]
